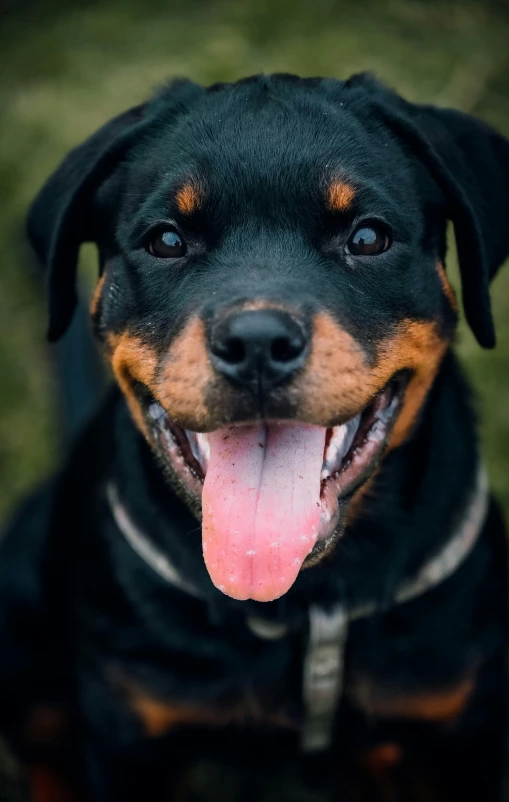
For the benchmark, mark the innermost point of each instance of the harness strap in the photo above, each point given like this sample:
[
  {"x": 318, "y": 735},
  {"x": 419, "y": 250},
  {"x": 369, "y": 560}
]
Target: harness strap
[{"x": 323, "y": 675}]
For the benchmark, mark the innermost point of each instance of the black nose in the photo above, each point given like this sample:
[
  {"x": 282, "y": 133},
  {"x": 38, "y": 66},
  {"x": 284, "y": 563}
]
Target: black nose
[{"x": 264, "y": 346}]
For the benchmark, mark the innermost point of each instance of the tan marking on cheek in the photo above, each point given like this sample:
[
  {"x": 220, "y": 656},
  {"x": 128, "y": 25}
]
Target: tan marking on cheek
[
  {"x": 340, "y": 196},
  {"x": 441, "y": 706},
  {"x": 186, "y": 377},
  {"x": 189, "y": 198},
  {"x": 446, "y": 286},
  {"x": 339, "y": 382},
  {"x": 94, "y": 304},
  {"x": 132, "y": 361},
  {"x": 417, "y": 346},
  {"x": 337, "y": 379}
]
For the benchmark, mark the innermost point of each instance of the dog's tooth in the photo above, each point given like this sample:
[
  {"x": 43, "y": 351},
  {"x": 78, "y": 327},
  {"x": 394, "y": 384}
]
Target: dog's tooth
[
  {"x": 338, "y": 435},
  {"x": 200, "y": 447},
  {"x": 204, "y": 445},
  {"x": 155, "y": 410},
  {"x": 191, "y": 439},
  {"x": 378, "y": 431},
  {"x": 341, "y": 440},
  {"x": 333, "y": 449},
  {"x": 353, "y": 426}
]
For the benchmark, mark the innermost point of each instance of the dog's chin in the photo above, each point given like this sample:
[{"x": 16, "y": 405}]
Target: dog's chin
[{"x": 351, "y": 454}]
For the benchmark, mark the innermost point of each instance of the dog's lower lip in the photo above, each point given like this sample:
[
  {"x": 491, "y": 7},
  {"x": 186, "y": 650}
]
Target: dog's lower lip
[{"x": 351, "y": 453}]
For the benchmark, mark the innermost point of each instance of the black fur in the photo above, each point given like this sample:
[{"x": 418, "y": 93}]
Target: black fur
[{"x": 81, "y": 616}]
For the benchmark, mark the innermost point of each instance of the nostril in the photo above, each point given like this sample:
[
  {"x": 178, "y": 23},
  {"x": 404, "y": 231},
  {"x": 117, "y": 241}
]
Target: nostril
[
  {"x": 257, "y": 346},
  {"x": 232, "y": 350},
  {"x": 286, "y": 349}
]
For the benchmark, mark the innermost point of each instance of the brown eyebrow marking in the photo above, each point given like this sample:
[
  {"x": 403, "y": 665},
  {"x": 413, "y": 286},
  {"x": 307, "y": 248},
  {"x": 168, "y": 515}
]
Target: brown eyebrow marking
[
  {"x": 189, "y": 198},
  {"x": 340, "y": 196}
]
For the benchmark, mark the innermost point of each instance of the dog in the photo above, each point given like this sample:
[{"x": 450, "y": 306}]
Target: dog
[{"x": 274, "y": 541}]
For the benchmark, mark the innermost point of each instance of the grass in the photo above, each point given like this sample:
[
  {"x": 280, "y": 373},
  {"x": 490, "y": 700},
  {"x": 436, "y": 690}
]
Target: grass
[{"x": 66, "y": 69}]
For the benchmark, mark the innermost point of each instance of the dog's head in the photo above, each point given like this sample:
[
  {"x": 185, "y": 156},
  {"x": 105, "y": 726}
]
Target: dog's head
[{"x": 273, "y": 298}]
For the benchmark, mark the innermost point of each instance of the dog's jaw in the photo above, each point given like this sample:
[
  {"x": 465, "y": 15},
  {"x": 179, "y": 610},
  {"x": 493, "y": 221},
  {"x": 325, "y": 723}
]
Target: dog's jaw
[{"x": 272, "y": 494}]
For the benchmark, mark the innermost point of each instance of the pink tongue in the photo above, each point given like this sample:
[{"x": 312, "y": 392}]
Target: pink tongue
[{"x": 261, "y": 506}]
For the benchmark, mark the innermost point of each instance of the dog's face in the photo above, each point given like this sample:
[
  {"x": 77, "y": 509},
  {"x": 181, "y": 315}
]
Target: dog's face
[{"x": 274, "y": 306}]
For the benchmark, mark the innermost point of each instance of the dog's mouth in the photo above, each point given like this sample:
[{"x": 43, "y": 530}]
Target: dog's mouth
[{"x": 273, "y": 493}]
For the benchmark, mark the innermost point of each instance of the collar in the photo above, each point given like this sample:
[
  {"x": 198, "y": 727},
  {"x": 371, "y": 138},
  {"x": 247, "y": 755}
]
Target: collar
[
  {"x": 328, "y": 629},
  {"x": 157, "y": 560}
]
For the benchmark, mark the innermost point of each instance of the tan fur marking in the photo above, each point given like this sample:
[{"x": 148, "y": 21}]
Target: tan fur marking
[
  {"x": 418, "y": 346},
  {"x": 339, "y": 381},
  {"x": 379, "y": 771},
  {"x": 185, "y": 377},
  {"x": 159, "y": 717},
  {"x": 440, "y": 706},
  {"x": 179, "y": 381},
  {"x": 446, "y": 286},
  {"x": 94, "y": 304},
  {"x": 381, "y": 757},
  {"x": 133, "y": 360},
  {"x": 378, "y": 776},
  {"x": 189, "y": 198},
  {"x": 340, "y": 196}
]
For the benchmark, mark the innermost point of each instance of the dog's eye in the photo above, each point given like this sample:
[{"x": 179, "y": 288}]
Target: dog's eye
[
  {"x": 167, "y": 244},
  {"x": 368, "y": 240}
]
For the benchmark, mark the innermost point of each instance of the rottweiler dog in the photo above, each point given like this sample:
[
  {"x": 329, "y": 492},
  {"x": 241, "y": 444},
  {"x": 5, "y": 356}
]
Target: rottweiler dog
[{"x": 273, "y": 545}]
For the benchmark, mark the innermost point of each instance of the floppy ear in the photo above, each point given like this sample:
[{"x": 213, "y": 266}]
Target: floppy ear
[
  {"x": 470, "y": 163},
  {"x": 61, "y": 217}
]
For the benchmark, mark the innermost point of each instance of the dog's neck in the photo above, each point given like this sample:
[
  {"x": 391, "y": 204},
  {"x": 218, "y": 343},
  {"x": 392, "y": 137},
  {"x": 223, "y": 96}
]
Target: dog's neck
[{"x": 418, "y": 493}]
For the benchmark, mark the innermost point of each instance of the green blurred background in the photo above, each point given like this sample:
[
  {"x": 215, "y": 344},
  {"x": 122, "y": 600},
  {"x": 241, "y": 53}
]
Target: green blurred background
[{"x": 66, "y": 68}]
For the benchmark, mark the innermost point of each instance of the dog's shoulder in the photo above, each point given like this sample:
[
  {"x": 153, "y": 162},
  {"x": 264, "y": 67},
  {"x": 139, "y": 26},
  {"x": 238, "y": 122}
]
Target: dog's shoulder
[{"x": 30, "y": 540}]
